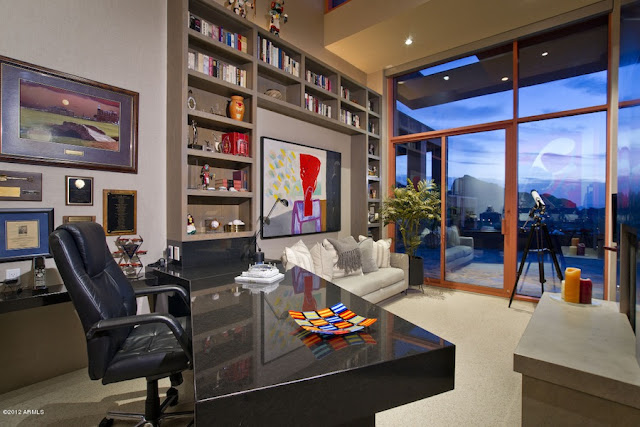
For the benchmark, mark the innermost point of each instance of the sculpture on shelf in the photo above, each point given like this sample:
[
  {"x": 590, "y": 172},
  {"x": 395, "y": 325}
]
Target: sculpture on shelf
[
  {"x": 240, "y": 7},
  {"x": 128, "y": 255},
  {"x": 191, "y": 226},
  {"x": 275, "y": 15},
  {"x": 205, "y": 174}
]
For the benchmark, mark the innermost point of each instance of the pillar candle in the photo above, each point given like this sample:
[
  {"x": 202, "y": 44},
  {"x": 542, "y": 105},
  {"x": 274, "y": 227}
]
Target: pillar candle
[
  {"x": 575, "y": 241},
  {"x": 572, "y": 284},
  {"x": 585, "y": 291}
]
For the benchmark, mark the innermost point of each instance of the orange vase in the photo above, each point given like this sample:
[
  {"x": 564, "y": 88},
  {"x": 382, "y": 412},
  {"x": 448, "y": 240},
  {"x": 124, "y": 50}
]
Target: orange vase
[{"x": 236, "y": 107}]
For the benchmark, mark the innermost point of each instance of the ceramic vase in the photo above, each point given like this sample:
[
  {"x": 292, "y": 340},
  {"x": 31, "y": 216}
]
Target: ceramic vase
[{"x": 236, "y": 107}]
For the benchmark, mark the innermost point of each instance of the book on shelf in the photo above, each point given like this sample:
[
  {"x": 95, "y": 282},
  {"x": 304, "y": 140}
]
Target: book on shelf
[
  {"x": 216, "y": 32},
  {"x": 315, "y": 105},
  {"x": 318, "y": 80},
  {"x": 273, "y": 55},
  {"x": 210, "y": 66},
  {"x": 349, "y": 118}
]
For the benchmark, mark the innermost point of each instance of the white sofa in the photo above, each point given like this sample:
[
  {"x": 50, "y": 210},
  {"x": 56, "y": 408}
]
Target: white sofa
[{"x": 373, "y": 286}]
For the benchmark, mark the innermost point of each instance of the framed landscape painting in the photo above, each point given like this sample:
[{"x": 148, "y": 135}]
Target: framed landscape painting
[
  {"x": 307, "y": 182},
  {"x": 53, "y": 118}
]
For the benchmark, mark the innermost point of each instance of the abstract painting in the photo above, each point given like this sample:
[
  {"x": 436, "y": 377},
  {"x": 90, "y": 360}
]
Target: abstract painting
[{"x": 308, "y": 179}]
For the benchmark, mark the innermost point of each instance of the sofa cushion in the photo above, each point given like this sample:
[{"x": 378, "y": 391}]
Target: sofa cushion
[
  {"x": 457, "y": 252},
  {"x": 370, "y": 282},
  {"x": 337, "y": 271},
  {"x": 299, "y": 255},
  {"x": 322, "y": 261},
  {"x": 453, "y": 236},
  {"x": 381, "y": 251},
  {"x": 366, "y": 254}
]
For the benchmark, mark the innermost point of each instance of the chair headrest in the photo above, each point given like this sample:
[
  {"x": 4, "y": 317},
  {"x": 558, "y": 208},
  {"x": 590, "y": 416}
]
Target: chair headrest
[{"x": 92, "y": 244}]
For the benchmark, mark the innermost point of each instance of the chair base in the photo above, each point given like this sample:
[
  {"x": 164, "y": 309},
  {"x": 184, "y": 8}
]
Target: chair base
[{"x": 154, "y": 411}]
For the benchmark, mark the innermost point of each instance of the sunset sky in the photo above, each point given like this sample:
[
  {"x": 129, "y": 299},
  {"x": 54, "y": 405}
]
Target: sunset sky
[{"x": 36, "y": 95}]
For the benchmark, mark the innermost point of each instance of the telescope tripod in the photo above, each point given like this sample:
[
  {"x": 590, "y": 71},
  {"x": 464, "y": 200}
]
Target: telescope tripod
[{"x": 540, "y": 230}]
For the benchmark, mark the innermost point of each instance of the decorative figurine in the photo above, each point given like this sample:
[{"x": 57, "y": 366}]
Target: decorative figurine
[
  {"x": 275, "y": 14},
  {"x": 191, "y": 227},
  {"x": 194, "y": 140},
  {"x": 240, "y": 7},
  {"x": 205, "y": 174},
  {"x": 128, "y": 255},
  {"x": 372, "y": 150}
]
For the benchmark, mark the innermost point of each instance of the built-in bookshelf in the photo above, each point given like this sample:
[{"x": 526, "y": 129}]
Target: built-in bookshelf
[{"x": 212, "y": 55}]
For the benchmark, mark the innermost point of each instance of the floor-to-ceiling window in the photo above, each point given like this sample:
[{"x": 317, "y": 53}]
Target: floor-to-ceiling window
[{"x": 545, "y": 131}]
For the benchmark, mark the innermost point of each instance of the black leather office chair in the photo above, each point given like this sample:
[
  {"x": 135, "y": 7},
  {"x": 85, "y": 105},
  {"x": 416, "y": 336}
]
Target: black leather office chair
[{"x": 120, "y": 344}]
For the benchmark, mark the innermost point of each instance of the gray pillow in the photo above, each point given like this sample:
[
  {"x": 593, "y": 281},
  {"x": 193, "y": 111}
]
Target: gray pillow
[
  {"x": 349, "y": 257},
  {"x": 366, "y": 254}
]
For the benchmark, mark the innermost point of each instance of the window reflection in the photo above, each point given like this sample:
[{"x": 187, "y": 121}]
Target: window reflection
[
  {"x": 564, "y": 69},
  {"x": 564, "y": 159},
  {"x": 416, "y": 161},
  {"x": 466, "y": 91},
  {"x": 628, "y": 87}
]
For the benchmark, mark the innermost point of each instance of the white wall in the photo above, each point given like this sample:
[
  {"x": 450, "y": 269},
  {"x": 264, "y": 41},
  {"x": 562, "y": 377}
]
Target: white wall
[
  {"x": 277, "y": 126},
  {"x": 118, "y": 42}
]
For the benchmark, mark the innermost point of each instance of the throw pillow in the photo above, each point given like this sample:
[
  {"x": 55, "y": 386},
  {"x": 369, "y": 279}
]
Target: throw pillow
[
  {"x": 322, "y": 261},
  {"x": 299, "y": 255},
  {"x": 349, "y": 257},
  {"x": 381, "y": 252},
  {"x": 337, "y": 272},
  {"x": 453, "y": 237},
  {"x": 366, "y": 254}
]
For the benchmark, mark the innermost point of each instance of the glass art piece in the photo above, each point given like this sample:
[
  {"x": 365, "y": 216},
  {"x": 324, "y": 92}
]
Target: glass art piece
[{"x": 335, "y": 320}]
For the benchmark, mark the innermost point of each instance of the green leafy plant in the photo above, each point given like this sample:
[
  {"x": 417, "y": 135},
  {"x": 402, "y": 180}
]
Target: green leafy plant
[{"x": 408, "y": 207}]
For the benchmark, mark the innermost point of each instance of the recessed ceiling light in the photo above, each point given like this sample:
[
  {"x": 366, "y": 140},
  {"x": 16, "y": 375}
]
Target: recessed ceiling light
[
  {"x": 504, "y": 79},
  {"x": 401, "y": 82},
  {"x": 446, "y": 77},
  {"x": 545, "y": 53},
  {"x": 408, "y": 41}
]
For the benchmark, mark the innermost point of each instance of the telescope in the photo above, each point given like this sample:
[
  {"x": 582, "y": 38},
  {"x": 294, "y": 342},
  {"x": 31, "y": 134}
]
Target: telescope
[{"x": 536, "y": 197}]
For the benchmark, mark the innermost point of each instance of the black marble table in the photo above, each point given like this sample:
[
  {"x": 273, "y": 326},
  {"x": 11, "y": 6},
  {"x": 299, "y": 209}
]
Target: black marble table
[{"x": 254, "y": 366}]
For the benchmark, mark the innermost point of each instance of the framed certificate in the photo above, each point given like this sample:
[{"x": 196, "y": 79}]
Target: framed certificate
[{"x": 24, "y": 233}]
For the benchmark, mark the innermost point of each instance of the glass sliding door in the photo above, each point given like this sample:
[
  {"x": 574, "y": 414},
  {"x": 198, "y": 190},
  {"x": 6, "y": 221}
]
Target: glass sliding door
[
  {"x": 564, "y": 160},
  {"x": 475, "y": 206},
  {"x": 416, "y": 161}
]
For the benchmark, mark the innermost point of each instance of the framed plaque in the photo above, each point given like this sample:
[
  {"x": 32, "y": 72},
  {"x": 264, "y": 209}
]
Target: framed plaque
[
  {"x": 79, "y": 190},
  {"x": 68, "y": 219},
  {"x": 24, "y": 233},
  {"x": 119, "y": 212}
]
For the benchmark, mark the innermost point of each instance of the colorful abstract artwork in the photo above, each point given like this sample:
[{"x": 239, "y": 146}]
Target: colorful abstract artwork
[
  {"x": 336, "y": 320},
  {"x": 308, "y": 179}
]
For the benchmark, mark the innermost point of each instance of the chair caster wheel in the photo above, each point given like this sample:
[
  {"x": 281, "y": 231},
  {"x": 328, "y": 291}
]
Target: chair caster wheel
[
  {"x": 106, "y": 422},
  {"x": 173, "y": 392}
]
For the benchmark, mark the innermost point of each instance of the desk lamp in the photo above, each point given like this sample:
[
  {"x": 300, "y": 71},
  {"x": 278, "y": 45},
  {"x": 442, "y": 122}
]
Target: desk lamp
[{"x": 259, "y": 256}]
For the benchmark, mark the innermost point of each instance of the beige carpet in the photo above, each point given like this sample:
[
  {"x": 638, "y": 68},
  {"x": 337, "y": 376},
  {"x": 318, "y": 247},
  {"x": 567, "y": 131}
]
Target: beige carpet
[{"x": 487, "y": 391}]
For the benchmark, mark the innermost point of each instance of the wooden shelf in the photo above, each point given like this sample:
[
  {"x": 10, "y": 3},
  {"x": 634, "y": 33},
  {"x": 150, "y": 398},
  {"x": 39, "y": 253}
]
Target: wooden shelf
[
  {"x": 319, "y": 92},
  {"x": 220, "y": 194},
  {"x": 374, "y": 225},
  {"x": 373, "y": 178},
  {"x": 229, "y": 53},
  {"x": 221, "y": 123},
  {"x": 351, "y": 106},
  {"x": 217, "y": 85},
  {"x": 372, "y": 157},
  {"x": 216, "y": 236},
  {"x": 373, "y": 200}
]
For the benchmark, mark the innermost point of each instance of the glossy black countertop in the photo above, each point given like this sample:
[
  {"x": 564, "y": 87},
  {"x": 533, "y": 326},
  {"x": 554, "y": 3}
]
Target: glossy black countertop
[
  {"x": 23, "y": 298},
  {"x": 252, "y": 361}
]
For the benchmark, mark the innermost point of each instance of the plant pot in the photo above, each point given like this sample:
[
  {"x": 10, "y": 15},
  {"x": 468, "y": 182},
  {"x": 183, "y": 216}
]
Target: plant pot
[{"x": 416, "y": 271}]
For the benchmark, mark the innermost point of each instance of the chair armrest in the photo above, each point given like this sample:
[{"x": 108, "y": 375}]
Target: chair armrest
[
  {"x": 161, "y": 289},
  {"x": 466, "y": 241},
  {"x": 127, "y": 321},
  {"x": 401, "y": 261}
]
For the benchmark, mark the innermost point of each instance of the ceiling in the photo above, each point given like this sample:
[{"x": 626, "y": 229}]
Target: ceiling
[{"x": 371, "y": 35}]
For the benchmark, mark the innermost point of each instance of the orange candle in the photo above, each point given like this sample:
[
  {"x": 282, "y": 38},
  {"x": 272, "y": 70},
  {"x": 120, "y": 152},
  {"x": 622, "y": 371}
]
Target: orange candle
[{"x": 572, "y": 284}]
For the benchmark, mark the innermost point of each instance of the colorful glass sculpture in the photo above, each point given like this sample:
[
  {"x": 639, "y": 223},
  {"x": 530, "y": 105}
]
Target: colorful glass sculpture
[{"x": 335, "y": 320}]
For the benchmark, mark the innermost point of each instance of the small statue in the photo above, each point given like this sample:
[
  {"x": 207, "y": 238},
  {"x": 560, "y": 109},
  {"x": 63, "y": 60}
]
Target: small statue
[
  {"x": 205, "y": 174},
  {"x": 240, "y": 7},
  {"x": 195, "y": 132},
  {"x": 191, "y": 227},
  {"x": 275, "y": 14},
  {"x": 372, "y": 150}
]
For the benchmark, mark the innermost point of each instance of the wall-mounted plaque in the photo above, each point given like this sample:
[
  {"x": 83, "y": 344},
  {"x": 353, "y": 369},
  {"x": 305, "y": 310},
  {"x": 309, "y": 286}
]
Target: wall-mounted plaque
[
  {"x": 22, "y": 186},
  {"x": 79, "y": 190},
  {"x": 119, "y": 212},
  {"x": 68, "y": 219}
]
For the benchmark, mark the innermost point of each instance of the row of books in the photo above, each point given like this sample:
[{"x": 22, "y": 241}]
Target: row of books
[
  {"x": 349, "y": 118},
  {"x": 216, "y": 68},
  {"x": 240, "y": 181},
  {"x": 318, "y": 80},
  {"x": 277, "y": 57},
  {"x": 312, "y": 103},
  {"x": 235, "y": 40},
  {"x": 345, "y": 93}
]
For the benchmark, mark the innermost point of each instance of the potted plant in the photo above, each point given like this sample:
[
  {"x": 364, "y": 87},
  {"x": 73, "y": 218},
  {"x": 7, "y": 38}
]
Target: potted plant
[{"x": 406, "y": 208}]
